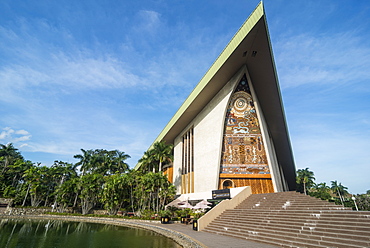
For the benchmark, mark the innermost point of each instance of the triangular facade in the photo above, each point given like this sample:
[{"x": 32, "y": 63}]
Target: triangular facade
[{"x": 231, "y": 131}]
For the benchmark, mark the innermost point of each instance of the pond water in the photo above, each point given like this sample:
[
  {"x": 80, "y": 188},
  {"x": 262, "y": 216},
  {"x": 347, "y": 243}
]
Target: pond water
[{"x": 56, "y": 234}]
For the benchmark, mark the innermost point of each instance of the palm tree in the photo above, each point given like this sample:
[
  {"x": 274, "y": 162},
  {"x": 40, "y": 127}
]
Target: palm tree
[
  {"x": 146, "y": 161},
  {"x": 162, "y": 153},
  {"x": 61, "y": 172},
  {"x": 119, "y": 161},
  {"x": 321, "y": 191},
  {"x": 9, "y": 153},
  {"x": 305, "y": 177},
  {"x": 85, "y": 160},
  {"x": 339, "y": 190}
]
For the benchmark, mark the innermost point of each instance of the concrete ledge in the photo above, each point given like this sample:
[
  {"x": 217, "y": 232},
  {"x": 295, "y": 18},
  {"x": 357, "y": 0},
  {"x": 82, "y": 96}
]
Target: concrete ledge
[{"x": 205, "y": 220}]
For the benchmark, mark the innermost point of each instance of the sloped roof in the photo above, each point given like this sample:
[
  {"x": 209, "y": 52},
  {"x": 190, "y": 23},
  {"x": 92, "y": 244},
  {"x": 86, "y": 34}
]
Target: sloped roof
[{"x": 250, "y": 46}]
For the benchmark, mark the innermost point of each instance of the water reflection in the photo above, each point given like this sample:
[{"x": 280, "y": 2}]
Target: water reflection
[{"x": 56, "y": 233}]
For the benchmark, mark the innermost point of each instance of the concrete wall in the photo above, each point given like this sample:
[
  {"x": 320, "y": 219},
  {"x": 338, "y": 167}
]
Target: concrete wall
[
  {"x": 208, "y": 194},
  {"x": 177, "y": 150},
  {"x": 208, "y": 132},
  {"x": 211, "y": 215},
  {"x": 208, "y": 128}
]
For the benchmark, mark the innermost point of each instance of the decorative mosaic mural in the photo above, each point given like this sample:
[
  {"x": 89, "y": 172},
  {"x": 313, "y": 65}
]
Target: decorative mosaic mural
[{"x": 243, "y": 151}]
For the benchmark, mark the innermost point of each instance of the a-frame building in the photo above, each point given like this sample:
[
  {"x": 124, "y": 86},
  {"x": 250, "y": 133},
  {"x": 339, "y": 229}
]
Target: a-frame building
[{"x": 231, "y": 131}]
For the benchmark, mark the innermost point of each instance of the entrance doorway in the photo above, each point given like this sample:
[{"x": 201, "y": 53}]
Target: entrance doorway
[{"x": 227, "y": 184}]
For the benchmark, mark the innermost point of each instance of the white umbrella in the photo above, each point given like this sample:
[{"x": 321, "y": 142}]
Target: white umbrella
[
  {"x": 202, "y": 205},
  {"x": 174, "y": 203},
  {"x": 205, "y": 202},
  {"x": 185, "y": 204}
]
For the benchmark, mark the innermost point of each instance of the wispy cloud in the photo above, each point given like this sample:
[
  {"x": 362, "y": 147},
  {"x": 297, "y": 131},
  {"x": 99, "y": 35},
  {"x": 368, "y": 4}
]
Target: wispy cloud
[
  {"x": 9, "y": 135},
  {"x": 22, "y": 132},
  {"x": 334, "y": 59},
  {"x": 56, "y": 63},
  {"x": 70, "y": 71},
  {"x": 148, "y": 21}
]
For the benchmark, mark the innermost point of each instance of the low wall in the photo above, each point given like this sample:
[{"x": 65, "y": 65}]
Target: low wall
[
  {"x": 6, "y": 201},
  {"x": 38, "y": 211},
  {"x": 204, "y": 221},
  {"x": 26, "y": 211}
]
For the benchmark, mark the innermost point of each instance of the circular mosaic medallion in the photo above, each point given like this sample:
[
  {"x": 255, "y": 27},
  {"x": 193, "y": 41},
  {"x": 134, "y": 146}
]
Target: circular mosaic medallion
[{"x": 240, "y": 103}]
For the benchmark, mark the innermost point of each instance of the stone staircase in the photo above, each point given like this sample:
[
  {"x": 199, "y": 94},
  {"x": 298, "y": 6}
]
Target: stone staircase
[{"x": 291, "y": 219}]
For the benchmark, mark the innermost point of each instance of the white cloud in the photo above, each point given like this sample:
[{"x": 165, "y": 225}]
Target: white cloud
[
  {"x": 9, "y": 135},
  {"x": 36, "y": 60},
  {"x": 6, "y": 133},
  {"x": 3, "y": 135},
  {"x": 92, "y": 72},
  {"x": 70, "y": 72},
  {"x": 22, "y": 132},
  {"x": 22, "y": 138}
]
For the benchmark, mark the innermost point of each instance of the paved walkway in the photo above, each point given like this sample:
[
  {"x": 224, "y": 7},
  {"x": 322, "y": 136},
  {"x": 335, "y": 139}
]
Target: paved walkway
[{"x": 212, "y": 240}]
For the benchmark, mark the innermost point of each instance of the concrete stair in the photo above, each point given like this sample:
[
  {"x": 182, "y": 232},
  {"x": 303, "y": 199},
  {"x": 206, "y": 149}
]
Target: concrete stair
[{"x": 291, "y": 219}]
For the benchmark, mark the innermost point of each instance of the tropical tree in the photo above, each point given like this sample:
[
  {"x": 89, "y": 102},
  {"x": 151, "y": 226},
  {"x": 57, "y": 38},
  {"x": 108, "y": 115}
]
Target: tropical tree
[
  {"x": 119, "y": 162},
  {"x": 162, "y": 152},
  {"x": 67, "y": 194},
  {"x": 363, "y": 201},
  {"x": 8, "y": 154},
  {"x": 305, "y": 180},
  {"x": 166, "y": 193},
  {"x": 114, "y": 192},
  {"x": 89, "y": 186},
  {"x": 38, "y": 180},
  {"x": 321, "y": 191},
  {"x": 132, "y": 181},
  {"x": 147, "y": 161},
  {"x": 339, "y": 190},
  {"x": 102, "y": 161},
  {"x": 155, "y": 191},
  {"x": 61, "y": 172},
  {"x": 17, "y": 169},
  {"x": 85, "y": 160},
  {"x": 12, "y": 180}
]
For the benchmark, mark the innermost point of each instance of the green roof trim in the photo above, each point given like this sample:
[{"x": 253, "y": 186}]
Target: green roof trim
[{"x": 240, "y": 35}]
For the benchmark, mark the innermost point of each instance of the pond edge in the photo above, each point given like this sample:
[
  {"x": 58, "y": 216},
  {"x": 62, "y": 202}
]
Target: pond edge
[{"x": 180, "y": 238}]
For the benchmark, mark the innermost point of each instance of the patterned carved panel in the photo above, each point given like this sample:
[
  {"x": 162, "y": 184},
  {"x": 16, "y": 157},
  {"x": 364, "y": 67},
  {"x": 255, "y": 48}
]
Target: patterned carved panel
[
  {"x": 243, "y": 150},
  {"x": 258, "y": 185}
]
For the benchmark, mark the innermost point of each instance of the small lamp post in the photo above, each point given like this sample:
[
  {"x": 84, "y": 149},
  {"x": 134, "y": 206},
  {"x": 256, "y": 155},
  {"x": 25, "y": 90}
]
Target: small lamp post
[{"x": 354, "y": 200}]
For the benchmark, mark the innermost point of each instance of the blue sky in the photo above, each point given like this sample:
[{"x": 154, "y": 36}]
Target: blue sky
[{"x": 110, "y": 74}]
